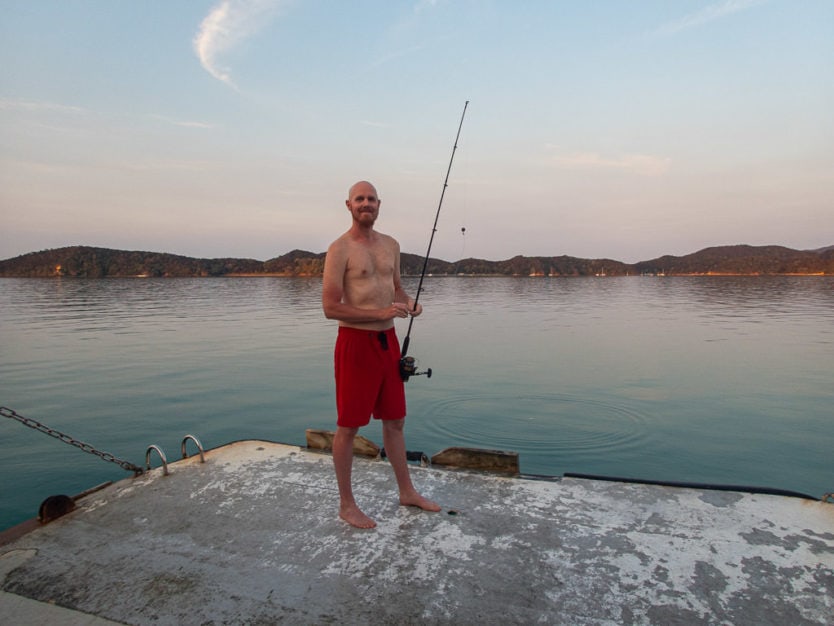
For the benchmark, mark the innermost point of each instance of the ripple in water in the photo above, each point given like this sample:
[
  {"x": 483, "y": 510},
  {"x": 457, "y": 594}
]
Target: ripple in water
[{"x": 544, "y": 427}]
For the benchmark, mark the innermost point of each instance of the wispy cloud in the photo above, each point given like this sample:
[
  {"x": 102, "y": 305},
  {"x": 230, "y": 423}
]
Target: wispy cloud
[
  {"x": 423, "y": 5},
  {"x": 166, "y": 165},
  {"x": 641, "y": 164},
  {"x": 183, "y": 123},
  {"x": 405, "y": 30},
  {"x": 708, "y": 14},
  {"x": 375, "y": 124},
  {"x": 226, "y": 26},
  {"x": 13, "y": 104},
  {"x": 391, "y": 56}
]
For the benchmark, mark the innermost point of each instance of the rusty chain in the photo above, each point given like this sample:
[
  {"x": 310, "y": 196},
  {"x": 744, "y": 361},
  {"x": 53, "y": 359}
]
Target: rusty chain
[{"x": 86, "y": 447}]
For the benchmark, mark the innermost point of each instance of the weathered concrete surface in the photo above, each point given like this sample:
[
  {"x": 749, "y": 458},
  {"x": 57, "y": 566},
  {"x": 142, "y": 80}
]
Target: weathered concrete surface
[{"x": 252, "y": 537}]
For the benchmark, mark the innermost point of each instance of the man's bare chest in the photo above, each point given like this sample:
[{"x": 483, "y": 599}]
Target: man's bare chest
[{"x": 370, "y": 263}]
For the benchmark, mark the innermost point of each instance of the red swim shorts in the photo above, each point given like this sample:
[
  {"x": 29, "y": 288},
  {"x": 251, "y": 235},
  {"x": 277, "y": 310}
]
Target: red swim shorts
[{"x": 368, "y": 376}]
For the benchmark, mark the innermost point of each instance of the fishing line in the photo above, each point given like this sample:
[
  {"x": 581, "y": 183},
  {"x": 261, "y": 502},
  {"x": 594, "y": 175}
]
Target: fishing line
[
  {"x": 465, "y": 220},
  {"x": 408, "y": 366}
]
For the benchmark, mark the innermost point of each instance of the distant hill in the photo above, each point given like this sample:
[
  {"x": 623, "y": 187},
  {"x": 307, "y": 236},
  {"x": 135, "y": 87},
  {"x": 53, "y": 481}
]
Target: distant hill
[
  {"x": 84, "y": 261},
  {"x": 744, "y": 260},
  {"x": 90, "y": 262}
]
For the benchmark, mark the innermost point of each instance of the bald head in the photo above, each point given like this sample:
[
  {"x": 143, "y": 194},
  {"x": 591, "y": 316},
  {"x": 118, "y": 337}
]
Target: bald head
[{"x": 362, "y": 186}]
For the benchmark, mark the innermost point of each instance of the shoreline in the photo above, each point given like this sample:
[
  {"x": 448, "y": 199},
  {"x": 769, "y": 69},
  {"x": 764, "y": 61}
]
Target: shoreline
[{"x": 459, "y": 275}]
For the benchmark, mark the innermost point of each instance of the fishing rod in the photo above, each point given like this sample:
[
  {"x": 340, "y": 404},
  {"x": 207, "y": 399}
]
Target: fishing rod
[{"x": 408, "y": 366}]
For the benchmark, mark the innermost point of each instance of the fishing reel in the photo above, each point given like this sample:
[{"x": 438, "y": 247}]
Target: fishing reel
[{"x": 408, "y": 368}]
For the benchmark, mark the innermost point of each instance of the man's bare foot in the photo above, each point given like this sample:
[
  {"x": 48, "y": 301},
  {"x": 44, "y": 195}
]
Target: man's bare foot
[
  {"x": 419, "y": 501},
  {"x": 355, "y": 517}
]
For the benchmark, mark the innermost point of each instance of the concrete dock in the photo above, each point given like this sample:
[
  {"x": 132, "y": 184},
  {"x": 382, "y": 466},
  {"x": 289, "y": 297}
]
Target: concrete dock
[{"x": 252, "y": 536}]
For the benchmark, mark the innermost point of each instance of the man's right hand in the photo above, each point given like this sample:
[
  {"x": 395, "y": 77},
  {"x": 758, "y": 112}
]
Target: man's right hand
[{"x": 398, "y": 309}]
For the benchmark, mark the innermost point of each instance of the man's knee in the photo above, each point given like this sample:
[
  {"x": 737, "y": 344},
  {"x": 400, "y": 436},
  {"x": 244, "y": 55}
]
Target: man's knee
[
  {"x": 344, "y": 437},
  {"x": 393, "y": 425}
]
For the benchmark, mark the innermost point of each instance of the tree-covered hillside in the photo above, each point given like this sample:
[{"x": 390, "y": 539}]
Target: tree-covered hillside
[{"x": 90, "y": 262}]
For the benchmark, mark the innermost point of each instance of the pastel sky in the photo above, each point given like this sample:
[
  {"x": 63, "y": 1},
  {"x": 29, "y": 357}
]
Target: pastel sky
[{"x": 614, "y": 129}]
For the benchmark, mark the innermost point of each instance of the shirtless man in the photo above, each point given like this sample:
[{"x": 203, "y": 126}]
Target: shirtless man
[{"x": 361, "y": 288}]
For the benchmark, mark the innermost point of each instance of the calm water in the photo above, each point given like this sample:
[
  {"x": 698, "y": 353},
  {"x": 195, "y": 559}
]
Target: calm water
[{"x": 719, "y": 380}]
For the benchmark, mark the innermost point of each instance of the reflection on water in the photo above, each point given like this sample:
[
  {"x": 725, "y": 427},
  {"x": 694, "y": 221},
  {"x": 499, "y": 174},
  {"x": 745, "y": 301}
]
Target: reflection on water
[{"x": 713, "y": 379}]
